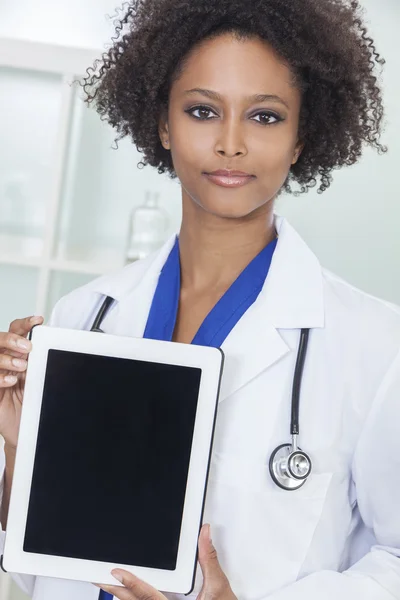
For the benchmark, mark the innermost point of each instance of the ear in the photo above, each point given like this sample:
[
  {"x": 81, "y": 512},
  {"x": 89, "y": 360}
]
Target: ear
[
  {"x": 163, "y": 130},
  {"x": 297, "y": 151}
]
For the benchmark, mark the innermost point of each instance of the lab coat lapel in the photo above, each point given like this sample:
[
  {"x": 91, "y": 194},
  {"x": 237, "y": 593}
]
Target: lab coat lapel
[
  {"x": 291, "y": 298},
  {"x": 134, "y": 295},
  {"x": 252, "y": 346}
]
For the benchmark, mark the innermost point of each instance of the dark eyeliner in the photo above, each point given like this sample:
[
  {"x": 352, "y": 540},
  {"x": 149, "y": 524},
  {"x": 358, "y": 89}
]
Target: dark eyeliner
[
  {"x": 269, "y": 113},
  {"x": 190, "y": 110},
  {"x": 260, "y": 112}
]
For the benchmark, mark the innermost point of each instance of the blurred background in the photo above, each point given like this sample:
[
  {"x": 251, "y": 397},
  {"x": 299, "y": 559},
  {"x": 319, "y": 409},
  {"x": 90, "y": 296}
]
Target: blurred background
[{"x": 72, "y": 207}]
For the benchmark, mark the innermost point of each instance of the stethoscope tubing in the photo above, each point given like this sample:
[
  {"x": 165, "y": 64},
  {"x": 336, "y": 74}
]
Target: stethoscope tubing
[
  {"x": 297, "y": 379},
  {"x": 101, "y": 314}
]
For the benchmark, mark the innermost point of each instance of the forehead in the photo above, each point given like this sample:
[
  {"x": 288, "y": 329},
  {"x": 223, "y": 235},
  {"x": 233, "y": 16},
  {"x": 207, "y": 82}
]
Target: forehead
[{"x": 236, "y": 67}]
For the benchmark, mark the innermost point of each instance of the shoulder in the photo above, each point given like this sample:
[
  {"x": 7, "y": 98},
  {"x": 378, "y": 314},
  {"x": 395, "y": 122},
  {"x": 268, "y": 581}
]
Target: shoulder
[
  {"x": 369, "y": 323},
  {"x": 358, "y": 302},
  {"x": 77, "y": 308}
]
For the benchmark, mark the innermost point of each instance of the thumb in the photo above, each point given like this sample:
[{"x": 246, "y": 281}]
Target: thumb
[{"x": 215, "y": 579}]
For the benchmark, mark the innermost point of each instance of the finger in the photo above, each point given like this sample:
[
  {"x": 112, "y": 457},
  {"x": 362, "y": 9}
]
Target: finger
[
  {"x": 15, "y": 343},
  {"x": 7, "y": 381},
  {"x": 137, "y": 587},
  {"x": 215, "y": 579},
  {"x": 12, "y": 363},
  {"x": 23, "y": 326},
  {"x": 14, "y": 354}
]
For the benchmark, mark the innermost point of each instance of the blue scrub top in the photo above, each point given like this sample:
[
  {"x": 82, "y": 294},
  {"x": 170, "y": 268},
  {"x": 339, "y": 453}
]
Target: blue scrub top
[
  {"x": 225, "y": 314},
  {"x": 219, "y": 321}
]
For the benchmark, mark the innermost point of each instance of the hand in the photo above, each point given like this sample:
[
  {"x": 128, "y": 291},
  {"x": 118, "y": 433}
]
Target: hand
[
  {"x": 215, "y": 585},
  {"x": 12, "y": 376}
]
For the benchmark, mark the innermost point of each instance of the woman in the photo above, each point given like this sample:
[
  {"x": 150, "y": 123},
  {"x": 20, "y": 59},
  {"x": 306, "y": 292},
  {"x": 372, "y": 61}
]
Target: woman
[{"x": 282, "y": 92}]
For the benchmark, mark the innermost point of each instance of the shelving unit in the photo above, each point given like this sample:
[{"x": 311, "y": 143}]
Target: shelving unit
[{"x": 84, "y": 190}]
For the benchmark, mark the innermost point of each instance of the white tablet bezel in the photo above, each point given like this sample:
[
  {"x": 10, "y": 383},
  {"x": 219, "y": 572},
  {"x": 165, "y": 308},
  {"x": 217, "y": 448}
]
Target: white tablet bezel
[{"x": 209, "y": 360}]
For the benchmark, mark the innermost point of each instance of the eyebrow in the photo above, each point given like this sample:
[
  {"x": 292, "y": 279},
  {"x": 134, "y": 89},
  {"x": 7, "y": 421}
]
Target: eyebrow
[{"x": 256, "y": 98}]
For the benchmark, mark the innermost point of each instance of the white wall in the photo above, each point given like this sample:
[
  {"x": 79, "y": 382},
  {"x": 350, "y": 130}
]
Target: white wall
[
  {"x": 80, "y": 23},
  {"x": 354, "y": 227}
]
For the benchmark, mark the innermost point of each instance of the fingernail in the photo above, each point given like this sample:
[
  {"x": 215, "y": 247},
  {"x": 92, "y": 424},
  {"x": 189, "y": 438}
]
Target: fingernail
[
  {"x": 209, "y": 534},
  {"x": 34, "y": 318},
  {"x": 10, "y": 379},
  {"x": 117, "y": 576},
  {"x": 18, "y": 362},
  {"x": 24, "y": 344}
]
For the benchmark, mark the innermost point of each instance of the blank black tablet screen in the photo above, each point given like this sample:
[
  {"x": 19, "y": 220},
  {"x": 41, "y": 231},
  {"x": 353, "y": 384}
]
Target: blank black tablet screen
[{"x": 112, "y": 459}]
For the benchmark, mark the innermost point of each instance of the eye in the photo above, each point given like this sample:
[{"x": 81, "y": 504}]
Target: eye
[
  {"x": 269, "y": 115},
  {"x": 201, "y": 109},
  {"x": 204, "y": 110}
]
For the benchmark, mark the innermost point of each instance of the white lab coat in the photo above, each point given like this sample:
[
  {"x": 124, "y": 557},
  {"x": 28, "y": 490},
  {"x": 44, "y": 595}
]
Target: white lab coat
[{"x": 338, "y": 537}]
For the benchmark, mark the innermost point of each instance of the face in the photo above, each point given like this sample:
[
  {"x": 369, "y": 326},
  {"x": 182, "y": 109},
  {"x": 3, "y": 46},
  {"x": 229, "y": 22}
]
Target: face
[{"x": 218, "y": 120}]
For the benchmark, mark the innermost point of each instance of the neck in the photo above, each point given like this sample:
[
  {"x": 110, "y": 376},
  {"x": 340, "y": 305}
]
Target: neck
[{"x": 214, "y": 251}]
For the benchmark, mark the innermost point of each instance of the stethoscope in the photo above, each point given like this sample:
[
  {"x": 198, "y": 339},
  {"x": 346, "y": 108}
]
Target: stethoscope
[{"x": 289, "y": 466}]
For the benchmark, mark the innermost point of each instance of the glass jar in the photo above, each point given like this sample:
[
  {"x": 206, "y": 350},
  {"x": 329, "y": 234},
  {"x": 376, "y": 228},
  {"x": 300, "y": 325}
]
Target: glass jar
[{"x": 148, "y": 228}]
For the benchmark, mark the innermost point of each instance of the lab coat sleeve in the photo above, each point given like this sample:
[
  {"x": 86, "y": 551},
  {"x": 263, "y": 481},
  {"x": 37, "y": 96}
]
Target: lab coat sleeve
[
  {"x": 376, "y": 473},
  {"x": 25, "y": 582}
]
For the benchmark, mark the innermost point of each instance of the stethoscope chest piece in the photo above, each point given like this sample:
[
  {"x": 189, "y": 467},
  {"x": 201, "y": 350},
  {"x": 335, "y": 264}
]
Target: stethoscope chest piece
[{"x": 289, "y": 467}]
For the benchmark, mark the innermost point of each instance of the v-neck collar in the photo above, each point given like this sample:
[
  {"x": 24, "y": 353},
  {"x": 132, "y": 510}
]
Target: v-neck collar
[{"x": 223, "y": 316}]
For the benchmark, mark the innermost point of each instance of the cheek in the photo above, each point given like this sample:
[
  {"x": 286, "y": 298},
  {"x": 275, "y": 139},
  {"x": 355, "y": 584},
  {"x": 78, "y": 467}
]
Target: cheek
[
  {"x": 193, "y": 144},
  {"x": 276, "y": 159},
  {"x": 274, "y": 146},
  {"x": 271, "y": 163}
]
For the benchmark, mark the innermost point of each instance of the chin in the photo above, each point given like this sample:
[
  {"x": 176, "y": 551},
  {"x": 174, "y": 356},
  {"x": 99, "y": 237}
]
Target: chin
[
  {"x": 230, "y": 212},
  {"x": 228, "y": 207}
]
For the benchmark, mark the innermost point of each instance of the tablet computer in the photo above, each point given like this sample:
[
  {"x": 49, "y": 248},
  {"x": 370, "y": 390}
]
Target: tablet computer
[{"x": 113, "y": 457}]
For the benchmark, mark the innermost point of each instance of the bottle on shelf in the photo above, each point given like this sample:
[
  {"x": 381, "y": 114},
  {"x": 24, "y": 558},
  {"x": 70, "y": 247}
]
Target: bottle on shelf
[{"x": 148, "y": 226}]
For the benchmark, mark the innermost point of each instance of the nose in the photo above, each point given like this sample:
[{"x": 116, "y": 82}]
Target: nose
[{"x": 230, "y": 141}]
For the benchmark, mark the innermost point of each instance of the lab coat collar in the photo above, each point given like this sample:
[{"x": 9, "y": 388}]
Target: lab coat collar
[
  {"x": 123, "y": 282},
  {"x": 292, "y": 295},
  {"x": 291, "y": 298}
]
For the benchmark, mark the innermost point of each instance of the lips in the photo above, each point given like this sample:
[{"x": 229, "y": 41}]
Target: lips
[
  {"x": 229, "y": 173},
  {"x": 229, "y": 178}
]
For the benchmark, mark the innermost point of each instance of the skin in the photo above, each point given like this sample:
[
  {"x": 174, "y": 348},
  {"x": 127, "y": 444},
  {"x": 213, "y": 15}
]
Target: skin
[{"x": 222, "y": 230}]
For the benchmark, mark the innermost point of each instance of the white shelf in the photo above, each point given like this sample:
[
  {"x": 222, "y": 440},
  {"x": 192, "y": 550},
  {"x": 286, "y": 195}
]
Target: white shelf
[
  {"x": 20, "y": 261},
  {"x": 68, "y": 266},
  {"x": 20, "y": 250},
  {"x": 49, "y": 58},
  {"x": 88, "y": 268},
  {"x": 24, "y": 251}
]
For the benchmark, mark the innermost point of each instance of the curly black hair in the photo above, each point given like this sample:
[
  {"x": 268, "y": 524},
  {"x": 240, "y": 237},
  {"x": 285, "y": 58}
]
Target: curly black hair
[{"x": 323, "y": 42}]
